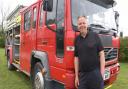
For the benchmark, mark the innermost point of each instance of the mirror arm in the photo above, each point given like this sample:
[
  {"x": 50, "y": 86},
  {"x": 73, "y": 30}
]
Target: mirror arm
[
  {"x": 46, "y": 1},
  {"x": 46, "y": 18},
  {"x": 50, "y": 28}
]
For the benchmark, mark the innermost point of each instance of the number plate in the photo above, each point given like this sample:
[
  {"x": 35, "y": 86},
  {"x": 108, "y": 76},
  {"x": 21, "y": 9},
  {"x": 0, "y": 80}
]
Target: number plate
[{"x": 107, "y": 74}]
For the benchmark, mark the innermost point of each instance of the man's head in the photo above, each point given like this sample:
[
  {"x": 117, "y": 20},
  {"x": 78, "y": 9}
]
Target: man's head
[{"x": 82, "y": 24}]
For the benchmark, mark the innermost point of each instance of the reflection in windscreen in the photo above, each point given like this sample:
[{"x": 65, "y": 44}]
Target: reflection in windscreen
[{"x": 96, "y": 14}]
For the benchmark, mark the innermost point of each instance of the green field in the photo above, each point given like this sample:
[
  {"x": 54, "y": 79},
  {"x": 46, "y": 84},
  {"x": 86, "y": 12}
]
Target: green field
[
  {"x": 12, "y": 79},
  {"x": 122, "y": 80},
  {"x": 18, "y": 80}
]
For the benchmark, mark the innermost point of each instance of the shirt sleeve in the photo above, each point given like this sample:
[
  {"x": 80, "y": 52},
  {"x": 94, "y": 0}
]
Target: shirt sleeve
[
  {"x": 76, "y": 49},
  {"x": 99, "y": 44}
]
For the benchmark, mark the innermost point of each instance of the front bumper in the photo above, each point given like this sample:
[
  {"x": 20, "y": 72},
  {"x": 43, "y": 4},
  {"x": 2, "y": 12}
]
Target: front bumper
[{"x": 114, "y": 71}]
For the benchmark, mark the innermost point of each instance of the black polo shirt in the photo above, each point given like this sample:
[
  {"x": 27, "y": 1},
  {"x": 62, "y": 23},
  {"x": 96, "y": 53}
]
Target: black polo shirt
[{"x": 87, "y": 50}]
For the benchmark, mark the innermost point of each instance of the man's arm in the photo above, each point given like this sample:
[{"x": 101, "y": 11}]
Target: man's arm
[
  {"x": 102, "y": 62},
  {"x": 76, "y": 66}
]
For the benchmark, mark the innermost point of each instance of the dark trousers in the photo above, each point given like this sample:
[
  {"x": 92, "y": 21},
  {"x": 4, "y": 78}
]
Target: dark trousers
[{"x": 91, "y": 80}]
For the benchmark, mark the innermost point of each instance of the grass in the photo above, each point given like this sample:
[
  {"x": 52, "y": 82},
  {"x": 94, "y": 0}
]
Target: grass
[
  {"x": 18, "y": 80},
  {"x": 122, "y": 80},
  {"x": 11, "y": 79}
]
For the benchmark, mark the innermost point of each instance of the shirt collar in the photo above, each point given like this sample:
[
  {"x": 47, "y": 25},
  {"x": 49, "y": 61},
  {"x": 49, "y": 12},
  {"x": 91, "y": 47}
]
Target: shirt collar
[{"x": 86, "y": 34}]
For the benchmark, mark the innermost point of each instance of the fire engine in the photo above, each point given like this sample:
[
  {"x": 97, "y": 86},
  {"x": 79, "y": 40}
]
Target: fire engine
[{"x": 40, "y": 40}]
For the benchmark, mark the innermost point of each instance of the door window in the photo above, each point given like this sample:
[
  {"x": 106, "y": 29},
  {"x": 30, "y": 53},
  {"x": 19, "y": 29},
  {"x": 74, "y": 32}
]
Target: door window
[
  {"x": 41, "y": 15},
  {"x": 34, "y": 18},
  {"x": 27, "y": 20},
  {"x": 57, "y": 17}
]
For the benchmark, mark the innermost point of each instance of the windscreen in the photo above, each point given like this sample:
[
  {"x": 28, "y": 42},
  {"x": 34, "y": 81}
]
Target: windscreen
[{"x": 95, "y": 13}]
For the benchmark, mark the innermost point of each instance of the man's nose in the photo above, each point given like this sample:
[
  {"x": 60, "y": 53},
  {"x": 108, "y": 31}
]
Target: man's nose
[{"x": 82, "y": 24}]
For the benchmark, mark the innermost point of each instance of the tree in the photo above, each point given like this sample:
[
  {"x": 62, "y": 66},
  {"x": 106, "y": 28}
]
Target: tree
[{"x": 3, "y": 13}]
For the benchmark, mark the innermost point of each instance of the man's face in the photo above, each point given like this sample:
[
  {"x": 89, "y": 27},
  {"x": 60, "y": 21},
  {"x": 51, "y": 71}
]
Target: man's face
[{"x": 82, "y": 24}]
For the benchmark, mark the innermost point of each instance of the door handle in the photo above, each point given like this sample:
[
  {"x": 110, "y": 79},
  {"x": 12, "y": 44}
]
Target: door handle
[{"x": 44, "y": 42}]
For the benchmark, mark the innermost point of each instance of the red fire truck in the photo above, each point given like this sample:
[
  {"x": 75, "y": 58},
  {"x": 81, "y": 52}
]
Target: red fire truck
[{"x": 42, "y": 44}]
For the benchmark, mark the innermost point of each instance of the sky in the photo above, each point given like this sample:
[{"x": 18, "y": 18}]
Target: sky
[{"x": 121, "y": 7}]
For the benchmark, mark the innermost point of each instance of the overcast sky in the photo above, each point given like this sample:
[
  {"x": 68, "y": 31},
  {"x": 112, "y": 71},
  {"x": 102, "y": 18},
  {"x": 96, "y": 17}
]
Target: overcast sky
[{"x": 122, "y": 7}]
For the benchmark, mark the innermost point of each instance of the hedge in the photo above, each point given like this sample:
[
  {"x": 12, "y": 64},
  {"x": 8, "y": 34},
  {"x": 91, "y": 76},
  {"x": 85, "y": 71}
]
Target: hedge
[
  {"x": 2, "y": 42},
  {"x": 123, "y": 51},
  {"x": 2, "y": 39}
]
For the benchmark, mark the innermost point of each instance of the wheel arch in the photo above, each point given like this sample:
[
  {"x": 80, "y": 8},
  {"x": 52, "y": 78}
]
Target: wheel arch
[{"x": 39, "y": 56}]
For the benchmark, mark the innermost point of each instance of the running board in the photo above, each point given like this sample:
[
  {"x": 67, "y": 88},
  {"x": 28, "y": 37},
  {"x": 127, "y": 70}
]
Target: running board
[{"x": 16, "y": 65}]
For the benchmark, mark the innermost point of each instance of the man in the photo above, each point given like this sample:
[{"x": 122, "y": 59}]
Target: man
[{"x": 89, "y": 59}]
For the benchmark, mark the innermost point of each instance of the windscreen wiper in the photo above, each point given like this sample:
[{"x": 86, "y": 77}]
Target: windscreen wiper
[
  {"x": 113, "y": 29},
  {"x": 96, "y": 25},
  {"x": 99, "y": 28}
]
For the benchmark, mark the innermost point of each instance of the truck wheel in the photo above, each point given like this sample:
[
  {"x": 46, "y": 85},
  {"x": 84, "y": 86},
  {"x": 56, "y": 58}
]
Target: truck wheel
[
  {"x": 10, "y": 66},
  {"x": 38, "y": 79}
]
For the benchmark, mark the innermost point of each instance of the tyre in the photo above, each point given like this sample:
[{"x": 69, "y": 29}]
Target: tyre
[
  {"x": 9, "y": 65},
  {"x": 38, "y": 78}
]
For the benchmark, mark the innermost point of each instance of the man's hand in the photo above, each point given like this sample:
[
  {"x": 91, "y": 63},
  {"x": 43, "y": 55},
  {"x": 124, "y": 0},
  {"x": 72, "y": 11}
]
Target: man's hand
[
  {"x": 76, "y": 81},
  {"x": 102, "y": 63},
  {"x": 102, "y": 73},
  {"x": 76, "y": 66}
]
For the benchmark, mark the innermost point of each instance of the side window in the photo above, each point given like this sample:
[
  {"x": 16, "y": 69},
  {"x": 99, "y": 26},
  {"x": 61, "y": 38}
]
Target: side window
[
  {"x": 57, "y": 17},
  {"x": 60, "y": 29},
  {"x": 41, "y": 15},
  {"x": 34, "y": 17},
  {"x": 60, "y": 14},
  {"x": 51, "y": 16},
  {"x": 27, "y": 20}
]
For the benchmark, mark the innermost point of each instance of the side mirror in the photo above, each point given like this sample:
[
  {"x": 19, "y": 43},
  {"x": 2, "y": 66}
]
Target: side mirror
[
  {"x": 117, "y": 19},
  {"x": 116, "y": 16},
  {"x": 48, "y": 5}
]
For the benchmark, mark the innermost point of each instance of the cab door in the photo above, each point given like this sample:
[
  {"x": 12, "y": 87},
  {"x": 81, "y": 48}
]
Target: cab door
[
  {"x": 55, "y": 31},
  {"x": 34, "y": 26},
  {"x": 25, "y": 48}
]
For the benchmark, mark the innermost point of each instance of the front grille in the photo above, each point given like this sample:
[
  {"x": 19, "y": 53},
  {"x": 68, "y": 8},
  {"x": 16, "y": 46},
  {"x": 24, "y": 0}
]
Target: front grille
[
  {"x": 110, "y": 53},
  {"x": 106, "y": 40}
]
